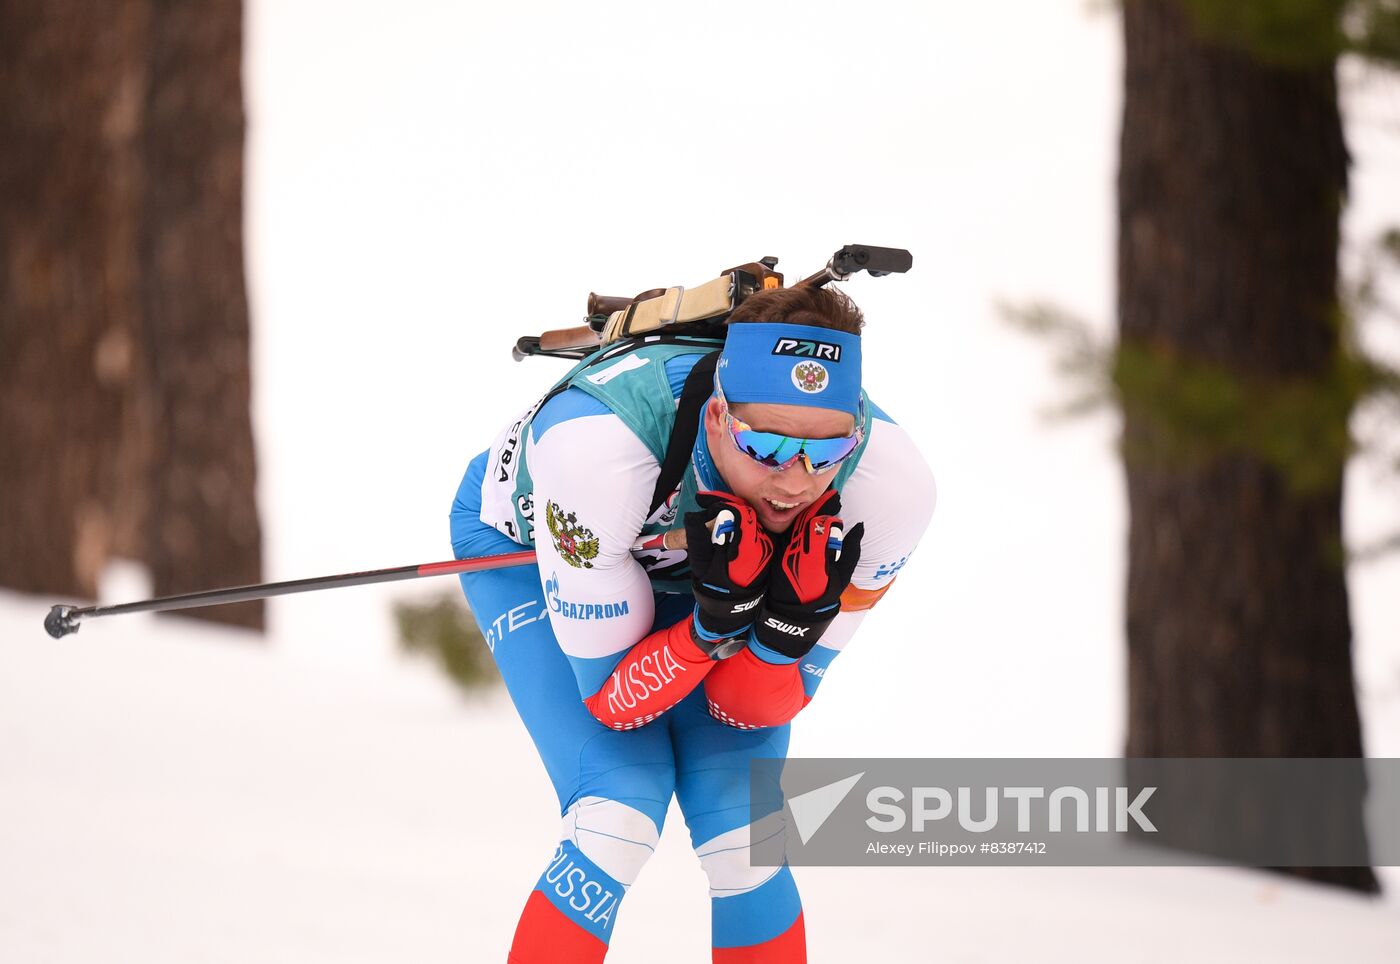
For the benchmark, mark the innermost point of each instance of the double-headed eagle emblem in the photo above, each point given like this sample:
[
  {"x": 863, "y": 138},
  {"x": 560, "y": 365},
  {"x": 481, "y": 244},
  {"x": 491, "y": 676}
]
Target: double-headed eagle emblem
[
  {"x": 577, "y": 545},
  {"x": 809, "y": 376}
]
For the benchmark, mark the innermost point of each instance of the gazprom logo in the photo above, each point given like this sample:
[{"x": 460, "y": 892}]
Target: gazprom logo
[
  {"x": 808, "y": 348},
  {"x": 577, "y": 610}
]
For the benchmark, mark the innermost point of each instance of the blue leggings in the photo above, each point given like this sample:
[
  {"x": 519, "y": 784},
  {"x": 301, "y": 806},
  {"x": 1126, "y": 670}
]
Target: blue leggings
[{"x": 614, "y": 787}]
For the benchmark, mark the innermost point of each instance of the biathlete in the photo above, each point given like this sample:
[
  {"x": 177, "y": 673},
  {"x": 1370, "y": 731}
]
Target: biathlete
[{"x": 643, "y": 674}]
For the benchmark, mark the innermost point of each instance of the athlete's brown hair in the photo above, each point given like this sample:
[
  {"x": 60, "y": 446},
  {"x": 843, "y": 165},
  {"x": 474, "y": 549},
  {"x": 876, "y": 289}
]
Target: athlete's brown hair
[{"x": 818, "y": 307}]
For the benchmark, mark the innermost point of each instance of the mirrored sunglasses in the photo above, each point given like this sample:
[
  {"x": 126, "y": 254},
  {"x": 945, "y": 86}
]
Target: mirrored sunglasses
[{"x": 777, "y": 451}]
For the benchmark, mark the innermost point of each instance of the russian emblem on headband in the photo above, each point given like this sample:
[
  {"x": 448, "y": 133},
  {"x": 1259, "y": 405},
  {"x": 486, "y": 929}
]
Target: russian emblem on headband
[{"x": 810, "y": 377}]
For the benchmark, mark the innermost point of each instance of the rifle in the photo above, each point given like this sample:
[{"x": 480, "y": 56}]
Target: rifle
[{"x": 700, "y": 310}]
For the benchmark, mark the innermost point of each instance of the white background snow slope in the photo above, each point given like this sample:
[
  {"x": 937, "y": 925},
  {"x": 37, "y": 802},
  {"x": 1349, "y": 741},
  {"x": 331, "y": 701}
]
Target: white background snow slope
[{"x": 429, "y": 180}]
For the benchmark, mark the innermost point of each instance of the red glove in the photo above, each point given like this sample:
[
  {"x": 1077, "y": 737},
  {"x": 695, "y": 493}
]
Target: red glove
[
  {"x": 804, "y": 591},
  {"x": 730, "y": 556}
]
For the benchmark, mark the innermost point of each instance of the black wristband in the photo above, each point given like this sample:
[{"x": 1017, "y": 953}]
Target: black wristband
[
  {"x": 725, "y": 616},
  {"x": 792, "y": 635}
]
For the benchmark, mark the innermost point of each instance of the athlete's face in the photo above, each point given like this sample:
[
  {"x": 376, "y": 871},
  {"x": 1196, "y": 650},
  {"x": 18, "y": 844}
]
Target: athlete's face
[{"x": 777, "y": 496}]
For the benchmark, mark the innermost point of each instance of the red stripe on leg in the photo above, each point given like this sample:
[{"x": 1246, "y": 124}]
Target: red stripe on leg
[
  {"x": 789, "y": 947},
  {"x": 546, "y": 936}
]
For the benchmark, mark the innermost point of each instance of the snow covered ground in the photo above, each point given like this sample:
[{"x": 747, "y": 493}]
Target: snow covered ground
[{"x": 171, "y": 792}]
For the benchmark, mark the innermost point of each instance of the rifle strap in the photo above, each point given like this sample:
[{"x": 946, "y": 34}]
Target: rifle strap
[{"x": 699, "y": 385}]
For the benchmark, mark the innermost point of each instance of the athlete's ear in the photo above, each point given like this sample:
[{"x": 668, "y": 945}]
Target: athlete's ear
[{"x": 714, "y": 415}]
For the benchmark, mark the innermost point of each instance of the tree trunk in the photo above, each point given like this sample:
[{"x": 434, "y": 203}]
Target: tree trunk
[
  {"x": 71, "y": 90},
  {"x": 203, "y": 529},
  {"x": 1230, "y": 188},
  {"x": 124, "y": 421}
]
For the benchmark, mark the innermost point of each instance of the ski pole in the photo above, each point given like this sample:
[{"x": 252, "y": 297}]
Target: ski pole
[{"x": 63, "y": 620}]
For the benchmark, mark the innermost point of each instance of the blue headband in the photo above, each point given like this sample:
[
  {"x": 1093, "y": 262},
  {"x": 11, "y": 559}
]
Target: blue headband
[{"x": 792, "y": 365}]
